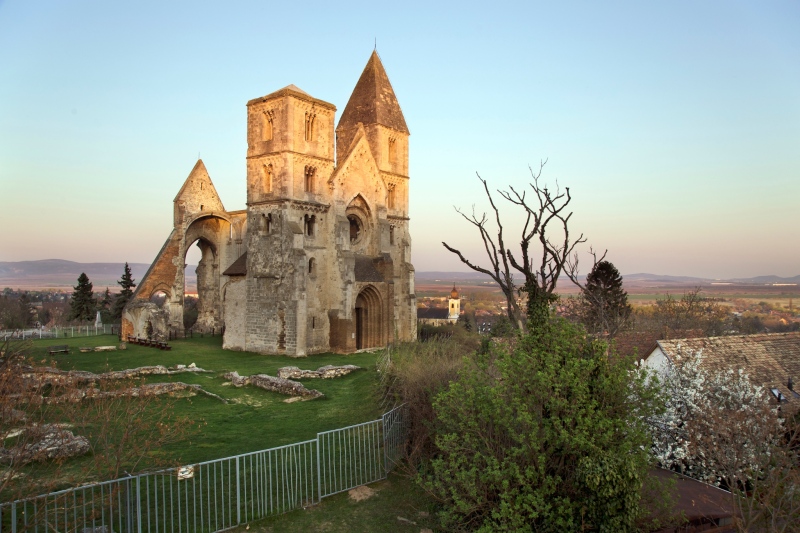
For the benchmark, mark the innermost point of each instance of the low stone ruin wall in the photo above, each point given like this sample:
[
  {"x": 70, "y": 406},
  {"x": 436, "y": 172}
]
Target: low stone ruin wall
[
  {"x": 274, "y": 384},
  {"x": 324, "y": 372}
]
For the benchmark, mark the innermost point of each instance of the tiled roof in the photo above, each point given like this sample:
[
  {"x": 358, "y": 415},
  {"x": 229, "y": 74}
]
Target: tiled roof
[
  {"x": 641, "y": 343},
  {"x": 433, "y": 313},
  {"x": 769, "y": 359},
  {"x": 373, "y": 100},
  {"x": 238, "y": 267},
  {"x": 365, "y": 269}
]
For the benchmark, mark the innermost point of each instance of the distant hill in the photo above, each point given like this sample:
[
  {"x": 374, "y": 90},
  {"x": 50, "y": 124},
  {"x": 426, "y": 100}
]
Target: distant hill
[{"x": 61, "y": 274}]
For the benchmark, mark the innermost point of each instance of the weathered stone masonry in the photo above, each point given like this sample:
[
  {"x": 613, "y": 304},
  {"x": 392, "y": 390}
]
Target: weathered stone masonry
[{"x": 320, "y": 259}]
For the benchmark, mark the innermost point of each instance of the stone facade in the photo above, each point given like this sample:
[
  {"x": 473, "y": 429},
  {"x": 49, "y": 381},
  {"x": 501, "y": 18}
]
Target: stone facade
[{"x": 321, "y": 258}]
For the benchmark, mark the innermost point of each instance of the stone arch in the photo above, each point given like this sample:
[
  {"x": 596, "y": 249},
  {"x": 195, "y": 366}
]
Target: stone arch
[
  {"x": 161, "y": 287},
  {"x": 210, "y": 233},
  {"x": 368, "y": 313}
]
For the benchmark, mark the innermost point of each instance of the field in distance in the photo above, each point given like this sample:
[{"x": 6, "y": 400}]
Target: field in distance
[{"x": 641, "y": 288}]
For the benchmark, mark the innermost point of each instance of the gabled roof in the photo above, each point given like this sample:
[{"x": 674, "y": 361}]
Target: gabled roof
[
  {"x": 373, "y": 100},
  {"x": 199, "y": 175},
  {"x": 769, "y": 359}
]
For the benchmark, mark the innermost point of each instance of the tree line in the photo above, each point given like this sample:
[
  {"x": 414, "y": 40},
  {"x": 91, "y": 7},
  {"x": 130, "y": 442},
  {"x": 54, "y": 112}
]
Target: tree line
[{"x": 17, "y": 310}]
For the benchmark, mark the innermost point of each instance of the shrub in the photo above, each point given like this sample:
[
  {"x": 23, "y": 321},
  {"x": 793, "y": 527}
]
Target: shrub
[
  {"x": 414, "y": 372},
  {"x": 547, "y": 435}
]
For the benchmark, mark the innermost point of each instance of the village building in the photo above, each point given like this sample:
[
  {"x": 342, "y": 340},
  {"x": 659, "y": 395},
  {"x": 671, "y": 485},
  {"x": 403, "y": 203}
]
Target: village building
[
  {"x": 770, "y": 360},
  {"x": 440, "y": 316},
  {"x": 320, "y": 259}
]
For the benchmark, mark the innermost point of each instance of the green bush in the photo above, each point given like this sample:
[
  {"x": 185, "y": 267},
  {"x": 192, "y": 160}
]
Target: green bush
[{"x": 548, "y": 435}]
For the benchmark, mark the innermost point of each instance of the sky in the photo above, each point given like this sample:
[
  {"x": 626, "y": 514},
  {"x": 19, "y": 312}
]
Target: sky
[{"x": 675, "y": 124}]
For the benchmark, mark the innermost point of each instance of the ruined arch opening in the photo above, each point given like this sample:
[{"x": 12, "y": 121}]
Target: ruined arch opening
[
  {"x": 160, "y": 297},
  {"x": 368, "y": 314},
  {"x": 201, "y": 287}
]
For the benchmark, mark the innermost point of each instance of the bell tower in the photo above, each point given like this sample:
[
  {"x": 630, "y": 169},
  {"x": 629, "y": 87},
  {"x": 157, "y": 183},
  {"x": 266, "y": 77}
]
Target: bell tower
[
  {"x": 374, "y": 105},
  {"x": 290, "y": 153},
  {"x": 454, "y": 305}
]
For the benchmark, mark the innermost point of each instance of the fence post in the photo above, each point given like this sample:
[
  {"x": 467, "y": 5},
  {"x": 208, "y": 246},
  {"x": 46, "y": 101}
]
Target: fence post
[
  {"x": 385, "y": 444},
  {"x": 238, "y": 495},
  {"x": 138, "y": 504},
  {"x": 319, "y": 473}
]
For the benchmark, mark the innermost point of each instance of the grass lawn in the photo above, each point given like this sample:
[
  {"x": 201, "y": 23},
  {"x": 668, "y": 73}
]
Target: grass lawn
[
  {"x": 253, "y": 419},
  {"x": 396, "y": 504}
]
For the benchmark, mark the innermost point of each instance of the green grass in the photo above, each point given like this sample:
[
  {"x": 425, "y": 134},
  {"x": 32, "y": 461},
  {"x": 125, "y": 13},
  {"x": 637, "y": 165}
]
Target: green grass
[
  {"x": 396, "y": 497},
  {"x": 253, "y": 419}
]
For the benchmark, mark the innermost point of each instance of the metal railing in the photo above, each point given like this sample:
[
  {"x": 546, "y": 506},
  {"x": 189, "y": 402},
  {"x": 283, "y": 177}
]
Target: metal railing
[
  {"x": 223, "y": 493},
  {"x": 60, "y": 332}
]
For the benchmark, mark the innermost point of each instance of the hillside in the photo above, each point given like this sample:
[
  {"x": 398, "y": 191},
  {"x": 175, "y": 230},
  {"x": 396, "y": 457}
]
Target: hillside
[{"x": 61, "y": 274}]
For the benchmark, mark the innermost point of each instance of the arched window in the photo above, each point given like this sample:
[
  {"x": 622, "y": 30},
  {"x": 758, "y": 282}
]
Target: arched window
[
  {"x": 391, "y": 235},
  {"x": 266, "y": 126},
  {"x": 267, "y": 223},
  {"x": 310, "y": 126},
  {"x": 310, "y": 222},
  {"x": 391, "y": 196},
  {"x": 311, "y": 265},
  {"x": 268, "y": 178},
  {"x": 310, "y": 172}
]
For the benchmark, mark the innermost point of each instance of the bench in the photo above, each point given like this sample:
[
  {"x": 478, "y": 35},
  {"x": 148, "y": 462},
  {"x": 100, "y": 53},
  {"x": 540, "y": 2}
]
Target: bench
[{"x": 59, "y": 348}]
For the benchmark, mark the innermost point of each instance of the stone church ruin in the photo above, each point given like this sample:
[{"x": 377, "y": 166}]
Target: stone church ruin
[{"x": 320, "y": 260}]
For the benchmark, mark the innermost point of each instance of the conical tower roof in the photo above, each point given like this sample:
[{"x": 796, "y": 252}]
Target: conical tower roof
[{"x": 373, "y": 100}]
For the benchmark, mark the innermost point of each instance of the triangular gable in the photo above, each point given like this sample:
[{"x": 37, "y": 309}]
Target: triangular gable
[
  {"x": 359, "y": 172},
  {"x": 198, "y": 190}
]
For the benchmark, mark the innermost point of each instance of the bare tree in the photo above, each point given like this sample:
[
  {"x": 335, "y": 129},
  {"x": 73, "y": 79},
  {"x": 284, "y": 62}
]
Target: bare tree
[{"x": 545, "y": 244}]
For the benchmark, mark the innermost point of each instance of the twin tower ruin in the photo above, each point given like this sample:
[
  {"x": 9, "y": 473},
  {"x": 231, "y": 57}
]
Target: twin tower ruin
[{"x": 321, "y": 258}]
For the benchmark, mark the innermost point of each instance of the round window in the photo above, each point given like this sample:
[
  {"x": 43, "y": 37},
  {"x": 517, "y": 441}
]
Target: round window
[{"x": 356, "y": 228}]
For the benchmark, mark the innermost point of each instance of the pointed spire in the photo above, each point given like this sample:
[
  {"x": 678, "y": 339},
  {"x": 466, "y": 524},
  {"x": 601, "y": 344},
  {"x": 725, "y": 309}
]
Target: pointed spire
[{"x": 373, "y": 100}]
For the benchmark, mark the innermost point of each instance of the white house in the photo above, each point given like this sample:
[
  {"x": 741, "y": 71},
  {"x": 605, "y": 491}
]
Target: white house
[{"x": 771, "y": 360}]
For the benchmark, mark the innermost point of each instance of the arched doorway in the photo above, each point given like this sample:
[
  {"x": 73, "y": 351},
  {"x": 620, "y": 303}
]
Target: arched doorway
[{"x": 369, "y": 319}]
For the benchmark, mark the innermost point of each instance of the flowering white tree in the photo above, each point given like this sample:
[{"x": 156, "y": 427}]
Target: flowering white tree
[
  {"x": 718, "y": 425},
  {"x": 720, "y": 428}
]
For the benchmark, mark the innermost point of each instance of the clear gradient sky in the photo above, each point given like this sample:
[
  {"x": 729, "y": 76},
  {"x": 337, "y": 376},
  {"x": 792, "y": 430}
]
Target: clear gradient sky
[{"x": 676, "y": 124}]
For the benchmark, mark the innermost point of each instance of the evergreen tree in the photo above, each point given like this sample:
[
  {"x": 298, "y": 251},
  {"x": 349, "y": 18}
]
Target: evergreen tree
[
  {"x": 127, "y": 284},
  {"x": 105, "y": 303},
  {"x": 105, "y": 306},
  {"x": 82, "y": 304},
  {"x": 605, "y": 303}
]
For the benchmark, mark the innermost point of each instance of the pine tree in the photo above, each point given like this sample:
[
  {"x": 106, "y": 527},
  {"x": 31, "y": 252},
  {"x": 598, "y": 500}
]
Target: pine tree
[
  {"x": 122, "y": 299},
  {"x": 82, "y": 304},
  {"x": 105, "y": 306},
  {"x": 605, "y": 303}
]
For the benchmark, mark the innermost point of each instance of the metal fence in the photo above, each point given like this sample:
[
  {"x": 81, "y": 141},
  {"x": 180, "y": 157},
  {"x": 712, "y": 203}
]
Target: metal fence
[
  {"x": 220, "y": 494},
  {"x": 60, "y": 333}
]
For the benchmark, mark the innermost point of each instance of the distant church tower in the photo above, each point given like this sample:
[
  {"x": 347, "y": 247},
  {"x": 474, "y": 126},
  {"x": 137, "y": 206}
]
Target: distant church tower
[{"x": 454, "y": 305}]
